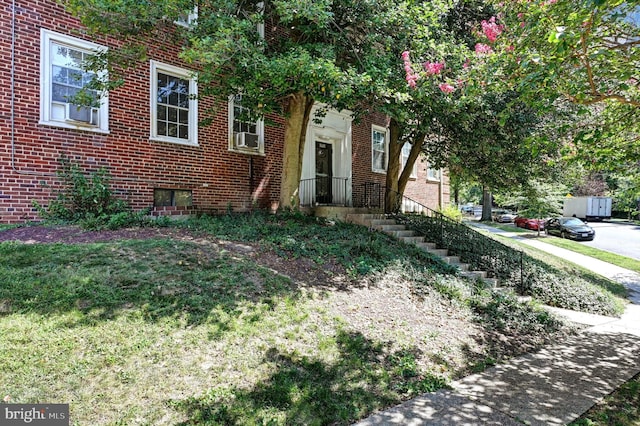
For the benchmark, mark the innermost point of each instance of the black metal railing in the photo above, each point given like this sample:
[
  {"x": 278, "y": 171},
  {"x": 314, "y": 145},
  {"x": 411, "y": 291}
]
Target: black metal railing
[
  {"x": 474, "y": 248},
  {"x": 324, "y": 190}
]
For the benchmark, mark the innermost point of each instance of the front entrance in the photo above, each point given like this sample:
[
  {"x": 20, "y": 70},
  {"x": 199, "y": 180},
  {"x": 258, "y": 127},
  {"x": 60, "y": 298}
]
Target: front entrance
[{"x": 324, "y": 172}]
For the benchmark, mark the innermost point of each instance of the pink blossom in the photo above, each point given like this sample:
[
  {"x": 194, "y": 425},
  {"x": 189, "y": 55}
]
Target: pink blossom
[
  {"x": 446, "y": 88},
  {"x": 482, "y": 49},
  {"x": 492, "y": 30},
  {"x": 411, "y": 76},
  {"x": 433, "y": 68}
]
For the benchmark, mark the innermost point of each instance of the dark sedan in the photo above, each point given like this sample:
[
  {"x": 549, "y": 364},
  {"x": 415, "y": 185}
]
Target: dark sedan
[{"x": 570, "y": 227}]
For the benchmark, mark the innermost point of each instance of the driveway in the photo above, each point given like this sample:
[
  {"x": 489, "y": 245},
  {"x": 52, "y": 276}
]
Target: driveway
[{"x": 616, "y": 237}]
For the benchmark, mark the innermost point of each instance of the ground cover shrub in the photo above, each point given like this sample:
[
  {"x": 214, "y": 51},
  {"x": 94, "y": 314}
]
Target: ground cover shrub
[
  {"x": 293, "y": 235},
  {"x": 505, "y": 312},
  {"x": 516, "y": 268},
  {"x": 570, "y": 291}
]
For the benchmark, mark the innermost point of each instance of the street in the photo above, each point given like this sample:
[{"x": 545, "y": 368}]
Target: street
[{"x": 616, "y": 237}]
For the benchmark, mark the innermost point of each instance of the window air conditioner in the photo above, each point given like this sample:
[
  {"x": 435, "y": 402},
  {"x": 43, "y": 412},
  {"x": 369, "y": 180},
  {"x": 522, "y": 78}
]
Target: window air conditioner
[
  {"x": 82, "y": 114},
  {"x": 246, "y": 140}
]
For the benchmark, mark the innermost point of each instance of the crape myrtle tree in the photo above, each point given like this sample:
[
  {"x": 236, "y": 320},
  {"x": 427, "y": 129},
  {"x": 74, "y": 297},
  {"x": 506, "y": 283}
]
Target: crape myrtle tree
[
  {"x": 411, "y": 90},
  {"x": 586, "y": 52},
  {"x": 480, "y": 133},
  {"x": 312, "y": 51}
]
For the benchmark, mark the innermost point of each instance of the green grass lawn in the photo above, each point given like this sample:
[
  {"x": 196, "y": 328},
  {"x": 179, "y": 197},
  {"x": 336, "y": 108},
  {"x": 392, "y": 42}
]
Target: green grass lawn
[
  {"x": 164, "y": 331},
  {"x": 605, "y": 256},
  {"x": 622, "y": 408},
  {"x": 254, "y": 319}
]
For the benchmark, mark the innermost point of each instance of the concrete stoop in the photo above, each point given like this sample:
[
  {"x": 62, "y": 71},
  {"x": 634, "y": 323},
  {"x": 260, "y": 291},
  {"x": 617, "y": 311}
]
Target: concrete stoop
[{"x": 379, "y": 222}]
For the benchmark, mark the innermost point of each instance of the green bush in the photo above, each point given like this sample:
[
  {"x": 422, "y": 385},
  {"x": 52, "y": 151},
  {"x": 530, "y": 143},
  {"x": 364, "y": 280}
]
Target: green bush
[
  {"x": 88, "y": 200},
  {"x": 507, "y": 314},
  {"x": 452, "y": 213}
]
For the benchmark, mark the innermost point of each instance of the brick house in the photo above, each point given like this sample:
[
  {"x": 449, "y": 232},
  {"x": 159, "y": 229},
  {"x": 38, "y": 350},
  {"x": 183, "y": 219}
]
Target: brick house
[{"x": 146, "y": 133}]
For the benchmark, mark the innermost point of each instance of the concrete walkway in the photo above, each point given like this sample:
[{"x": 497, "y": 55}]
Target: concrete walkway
[{"x": 551, "y": 387}]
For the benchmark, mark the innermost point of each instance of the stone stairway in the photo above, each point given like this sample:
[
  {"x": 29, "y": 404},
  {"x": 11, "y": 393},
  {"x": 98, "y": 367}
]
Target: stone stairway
[{"x": 379, "y": 222}]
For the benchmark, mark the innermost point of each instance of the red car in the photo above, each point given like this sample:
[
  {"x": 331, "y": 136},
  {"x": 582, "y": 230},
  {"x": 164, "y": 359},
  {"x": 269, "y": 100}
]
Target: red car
[{"x": 526, "y": 223}]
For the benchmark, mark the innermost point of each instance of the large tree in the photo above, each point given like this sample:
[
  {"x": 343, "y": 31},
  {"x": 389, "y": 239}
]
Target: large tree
[
  {"x": 413, "y": 81},
  {"x": 587, "y": 51},
  {"x": 311, "y": 52},
  {"x": 494, "y": 140}
]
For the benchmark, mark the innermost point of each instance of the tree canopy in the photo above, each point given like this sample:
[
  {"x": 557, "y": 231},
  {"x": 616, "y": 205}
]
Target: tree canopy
[{"x": 585, "y": 52}]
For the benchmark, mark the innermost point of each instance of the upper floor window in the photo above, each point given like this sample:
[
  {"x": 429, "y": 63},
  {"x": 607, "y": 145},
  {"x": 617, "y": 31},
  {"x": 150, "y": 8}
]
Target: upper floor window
[
  {"x": 406, "y": 150},
  {"x": 433, "y": 174},
  {"x": 188, "y": 19},
  {"x": 246, "y": 132},
  {"x": 174, "y": 108},
  {"x": 66, "y": 98},
  {"x": 379, "y": 149}
]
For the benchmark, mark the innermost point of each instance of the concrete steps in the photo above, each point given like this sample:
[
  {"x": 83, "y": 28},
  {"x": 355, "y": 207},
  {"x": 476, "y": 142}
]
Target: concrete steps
[{"x": 380, "y": 223}]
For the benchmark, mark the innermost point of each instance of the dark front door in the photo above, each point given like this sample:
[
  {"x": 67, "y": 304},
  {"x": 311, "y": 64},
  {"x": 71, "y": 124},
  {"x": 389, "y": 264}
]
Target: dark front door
[{"x": 324, "y": 172}]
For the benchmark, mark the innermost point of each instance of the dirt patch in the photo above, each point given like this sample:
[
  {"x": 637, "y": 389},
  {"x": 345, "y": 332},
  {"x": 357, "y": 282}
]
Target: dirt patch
[{"x": 77, "y": 235}]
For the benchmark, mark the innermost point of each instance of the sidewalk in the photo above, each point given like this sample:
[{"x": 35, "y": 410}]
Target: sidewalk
[{"x": 551, "y": 387}]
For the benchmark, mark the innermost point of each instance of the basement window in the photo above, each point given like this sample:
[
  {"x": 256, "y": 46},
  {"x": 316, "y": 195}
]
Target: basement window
[{"x": 172, "y": 197}]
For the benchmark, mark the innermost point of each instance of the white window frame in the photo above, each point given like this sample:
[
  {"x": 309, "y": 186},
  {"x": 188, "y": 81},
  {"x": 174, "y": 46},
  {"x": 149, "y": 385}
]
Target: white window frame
[
  {"x": 173, "y": 71},
  {"x": 259, "y": 150},
  {"x": 434, "y": 175},
  {"x": 190, "y": 19},
  {"x": 404, "y": 156},
  {"x": 261, "y": 24},
  {"x": 385, "y": 132},
  {"x": 47, "y": 115}
]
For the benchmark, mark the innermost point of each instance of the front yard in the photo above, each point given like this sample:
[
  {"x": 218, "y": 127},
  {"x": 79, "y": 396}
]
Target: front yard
[{"x": 243, "y": 320}]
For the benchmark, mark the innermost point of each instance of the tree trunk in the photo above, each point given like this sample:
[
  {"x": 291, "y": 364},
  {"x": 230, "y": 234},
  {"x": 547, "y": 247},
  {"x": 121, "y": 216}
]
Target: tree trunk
[
  {"x": 392, "y": 198},
  {"x": 487, "y": 205},
  {"x": 297, "y": 118},
  {"x": 396, "y": 180},
  {"x": 416, "y": 148}
]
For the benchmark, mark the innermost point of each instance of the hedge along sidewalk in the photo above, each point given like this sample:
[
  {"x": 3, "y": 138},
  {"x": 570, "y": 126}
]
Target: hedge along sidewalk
[{"x": 630, "y": 279}]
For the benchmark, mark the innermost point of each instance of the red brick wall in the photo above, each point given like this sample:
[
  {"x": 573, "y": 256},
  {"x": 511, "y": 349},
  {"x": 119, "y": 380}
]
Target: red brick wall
[
  {"x": 420, "y": 189},
  {"x": 218, "y": 178}
]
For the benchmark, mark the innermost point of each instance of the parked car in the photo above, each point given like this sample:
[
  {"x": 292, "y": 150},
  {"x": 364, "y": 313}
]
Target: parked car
[
  {"x": 503, "y": 216},
  {"x": 467, "y": 208},
  {"x": 528, "y": 223},
  {"x": 569, "y": 227}
]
